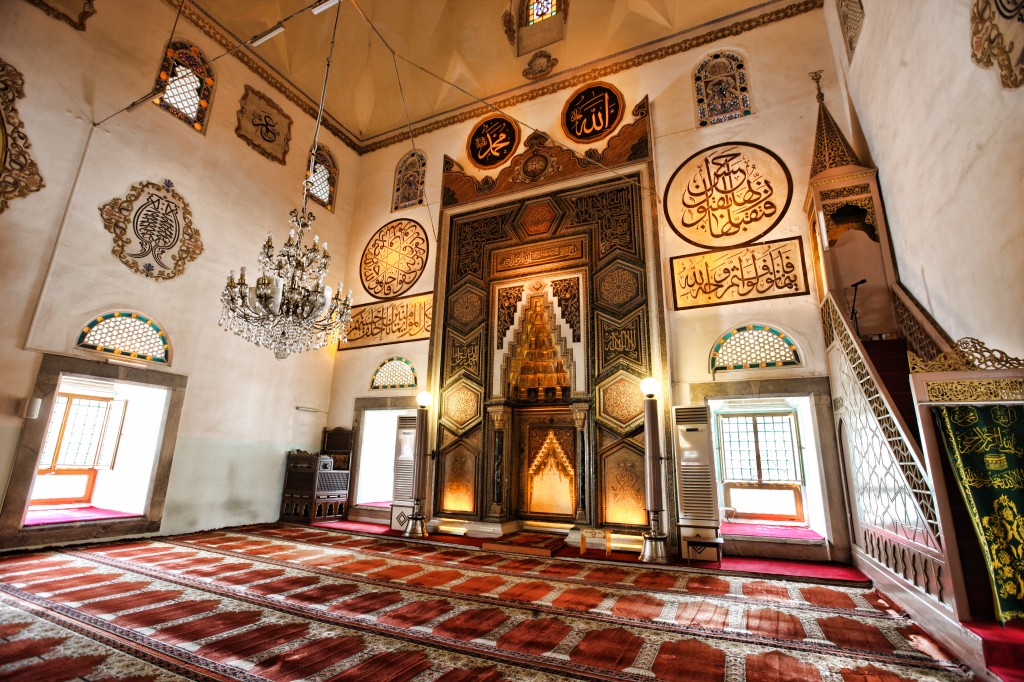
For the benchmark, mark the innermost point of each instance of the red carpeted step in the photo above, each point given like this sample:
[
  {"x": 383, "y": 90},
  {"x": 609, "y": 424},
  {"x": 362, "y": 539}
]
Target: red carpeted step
[{"x": 1003, "y": 646}]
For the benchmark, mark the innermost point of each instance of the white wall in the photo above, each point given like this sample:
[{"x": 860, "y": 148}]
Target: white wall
[
  {"x": 239, "y": 418},
  {"x": 946, "y": 137}
]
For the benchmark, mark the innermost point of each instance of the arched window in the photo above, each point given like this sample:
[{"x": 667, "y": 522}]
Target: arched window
[
  {"x": 410, "y": 175},
  {"x": 126, "y": 334},
  {"x": 539, "y": 10},
  {"x": 720, "y": 83},
  {"x": 187, "y": 82},
  {"x": 754, "y": 346},
  {"x": 394, "y": 372},
  {"x": 324, "y": 181}
]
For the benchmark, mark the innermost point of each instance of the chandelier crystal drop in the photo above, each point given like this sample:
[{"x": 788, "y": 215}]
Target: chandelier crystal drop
[{"x": 290, "y": 310}]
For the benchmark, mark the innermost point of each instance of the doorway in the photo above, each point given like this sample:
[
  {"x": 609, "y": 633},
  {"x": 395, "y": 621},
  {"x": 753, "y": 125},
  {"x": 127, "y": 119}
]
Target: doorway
[
  {"x": 386, "y": 447},
  {"x": 101, "y": 445}
]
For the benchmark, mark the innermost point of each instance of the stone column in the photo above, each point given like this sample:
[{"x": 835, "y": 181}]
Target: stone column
[
  {"x": 579, "y": 415},
  {"x": 499, "y": 419}
]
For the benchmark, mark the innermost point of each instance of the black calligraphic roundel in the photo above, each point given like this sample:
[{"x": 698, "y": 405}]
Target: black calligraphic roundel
[
  {"x": 493, "y": 141},
  {"x": 592, "y": 113},
  {"x": 728, "y": 195},
  {"x": 394, "y": 258}
]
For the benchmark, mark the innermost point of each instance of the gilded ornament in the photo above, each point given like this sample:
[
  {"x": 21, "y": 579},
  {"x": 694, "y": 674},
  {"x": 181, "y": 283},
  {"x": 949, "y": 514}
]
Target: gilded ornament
[
  {"x": 997, "y": 38},
  {"x": 967, "y": 355},
  {"x": 394, "y": 259},
  {"x": 19, "y": 173}
]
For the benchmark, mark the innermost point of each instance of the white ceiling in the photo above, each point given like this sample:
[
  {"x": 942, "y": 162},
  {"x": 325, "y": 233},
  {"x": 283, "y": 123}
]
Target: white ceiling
[{"x": 462, "y": 41}]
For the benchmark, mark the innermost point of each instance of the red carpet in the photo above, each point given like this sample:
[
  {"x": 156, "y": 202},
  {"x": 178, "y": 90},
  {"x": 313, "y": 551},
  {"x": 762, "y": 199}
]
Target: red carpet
[
  {"x": 765, "y": 531},
  {"x": 1003, "y": 647},
  {"x": 39, "y": 517},
  {"x": 284, "y": 602}
]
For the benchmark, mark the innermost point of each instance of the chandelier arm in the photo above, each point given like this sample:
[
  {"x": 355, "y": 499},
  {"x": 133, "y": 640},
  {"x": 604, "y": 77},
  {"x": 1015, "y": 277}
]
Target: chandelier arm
[{"x": 320, "y": 113}]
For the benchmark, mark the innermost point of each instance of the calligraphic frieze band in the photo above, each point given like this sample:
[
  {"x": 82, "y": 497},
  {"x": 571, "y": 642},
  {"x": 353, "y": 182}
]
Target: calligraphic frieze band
[
  {"x": 395, "y": 321},
  {"x": 535, "y": 258},
  {"x": 728, "y": 195},
  {"x": 768, "y": 270},
  {"x": 592, "y": 112},
  {"x": 493, "y": 141},
  {"x": 394, "y": 258},
  {"x": 263, "y": 125}
]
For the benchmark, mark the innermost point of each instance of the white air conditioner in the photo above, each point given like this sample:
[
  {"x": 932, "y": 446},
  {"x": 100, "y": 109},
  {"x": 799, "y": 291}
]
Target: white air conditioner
[{"x": 699, "y": 504}]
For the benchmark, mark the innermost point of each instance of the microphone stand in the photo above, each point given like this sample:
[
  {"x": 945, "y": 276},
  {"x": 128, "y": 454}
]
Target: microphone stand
[{"x": 854, "y": 317}]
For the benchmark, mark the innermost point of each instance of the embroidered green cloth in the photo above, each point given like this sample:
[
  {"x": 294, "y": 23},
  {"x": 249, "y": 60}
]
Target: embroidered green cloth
[{"x": 984, "y": 444}]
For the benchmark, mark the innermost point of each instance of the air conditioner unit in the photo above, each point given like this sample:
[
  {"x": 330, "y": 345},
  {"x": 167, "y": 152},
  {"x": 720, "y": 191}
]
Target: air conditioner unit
[{"x": 699, "y": 503}]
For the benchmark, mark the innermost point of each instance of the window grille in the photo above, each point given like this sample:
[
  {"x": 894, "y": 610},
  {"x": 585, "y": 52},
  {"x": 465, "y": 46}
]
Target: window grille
[
  {"x": 126, "y": 334},
  {"x": 394, "y": 372},
  {"x": 754, "y": 346},
  {"x": 851, "y": 18},
  {"x": 761, "y": 468},
  {"x": 187, "y": 82},
  {"x": 721, "y": 87},
  {"x": 410, "y": 176},
  {"x": 324, "y": 181},
  {"x": 83, "y": 433}
]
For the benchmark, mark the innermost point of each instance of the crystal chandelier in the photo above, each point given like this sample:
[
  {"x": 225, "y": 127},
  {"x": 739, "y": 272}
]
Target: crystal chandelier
[{"x": 290, "y": 310}]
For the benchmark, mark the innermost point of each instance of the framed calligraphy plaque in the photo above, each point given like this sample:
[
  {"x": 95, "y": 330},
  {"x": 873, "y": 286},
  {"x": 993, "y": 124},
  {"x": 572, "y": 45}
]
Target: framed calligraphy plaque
[
  {"x": 263, "y": 125},
  {"x": 493, "y": 141},
  {"x": 401, "y": 319},
  {"x": 592, "y": 113},
  {"x": 152, "y": 228},
  {"x": 774, "y": 269},
  {"x": 727, "y": 195},
  {"x": 553, "y": 254},
  {"x": 394, "y": 258}
]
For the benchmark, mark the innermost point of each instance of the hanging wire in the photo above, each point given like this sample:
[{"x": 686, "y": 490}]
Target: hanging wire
[
  {"x": 396, "y": 55},
  {"x": 308, "y": 183},
  {"x": 412, "y": 138}
]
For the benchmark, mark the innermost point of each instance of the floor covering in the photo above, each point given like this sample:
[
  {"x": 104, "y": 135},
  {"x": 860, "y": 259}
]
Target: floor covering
[
  {"x": 284, "y": 602},
  {"x": 767, "y": 531},
  {"x": 40, "y": 517}
]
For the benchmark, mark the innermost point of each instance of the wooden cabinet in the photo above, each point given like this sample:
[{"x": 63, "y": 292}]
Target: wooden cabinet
[{"x": 316, "y": 485}]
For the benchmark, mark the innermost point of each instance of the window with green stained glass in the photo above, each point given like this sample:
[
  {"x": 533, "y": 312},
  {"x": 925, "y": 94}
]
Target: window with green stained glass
[
  {"x": 754, "y": 346},
  {"x": 394, "y": 372},
  {"x": 126, "y": 334}
]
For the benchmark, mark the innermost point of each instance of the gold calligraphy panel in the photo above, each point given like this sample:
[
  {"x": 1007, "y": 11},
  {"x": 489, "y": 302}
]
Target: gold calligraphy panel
[
  {"x": 395, "y": 321},
  {"x": 768, "y": 270},
  {"x": 592, "y": 113},
  {"x": 534, "y": 258},
  {"x": 493, "y": 141},
  {"x": 263, "y": 125},
  {"x": 728, "y": 195},
  {"x": 394, "y": 258}
]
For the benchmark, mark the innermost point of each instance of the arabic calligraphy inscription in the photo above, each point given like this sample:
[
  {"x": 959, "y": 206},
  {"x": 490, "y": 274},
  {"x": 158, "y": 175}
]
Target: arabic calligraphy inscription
[
  {"x": 728, "y": 195},
  {"x": 769, "y": 270},
  {"x": 263, "y": 125},
  {"x": 394, "y": 258},
  {"x": 493, "y": 141},
  {"x": 377, "y": 324},
  {"x": 592, "y": 113}
]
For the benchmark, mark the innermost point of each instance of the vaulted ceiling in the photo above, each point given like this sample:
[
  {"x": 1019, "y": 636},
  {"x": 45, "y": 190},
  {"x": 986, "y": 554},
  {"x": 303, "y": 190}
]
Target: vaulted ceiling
[{"x": 459, "y": 41}]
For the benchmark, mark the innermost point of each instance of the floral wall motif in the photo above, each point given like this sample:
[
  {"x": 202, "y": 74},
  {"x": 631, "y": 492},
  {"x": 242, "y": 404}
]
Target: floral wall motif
[
  {"x": 997, "y": 38},
  {"x": 19, "y": 173},
  {"x": 152, "y": 228}
]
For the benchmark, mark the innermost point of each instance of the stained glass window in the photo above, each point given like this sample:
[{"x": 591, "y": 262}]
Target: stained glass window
[
  {"x": 187, "y": 83},
  {"x": 721, "y": 87},
  {"x": 126, "y": 334},
  {"x": 753, "y": 346},
  {"x": 410, "y": 175},
  {"x": 324, "y": 181},
  {"x": 539, "y": 10},
  {"x": 394, "y": 372}
]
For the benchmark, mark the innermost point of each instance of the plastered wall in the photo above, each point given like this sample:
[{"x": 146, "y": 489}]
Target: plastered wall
[
  {"x": 945, "y": 136},
  {"x": 239, "y": 416}
]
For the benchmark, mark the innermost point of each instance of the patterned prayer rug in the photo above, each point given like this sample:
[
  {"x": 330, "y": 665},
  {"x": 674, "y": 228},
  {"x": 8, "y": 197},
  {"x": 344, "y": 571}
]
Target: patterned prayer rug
[{"x": 278, "y": 602}]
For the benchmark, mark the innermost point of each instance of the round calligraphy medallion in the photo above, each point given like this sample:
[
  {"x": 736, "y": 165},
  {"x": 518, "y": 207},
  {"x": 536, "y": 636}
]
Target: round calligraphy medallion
[
  {"x": 728, "y": 195},
  {"x": 394, "y": 258},
  {"x": 592, "y": 113},
  {"x": 493, "y": 140}
]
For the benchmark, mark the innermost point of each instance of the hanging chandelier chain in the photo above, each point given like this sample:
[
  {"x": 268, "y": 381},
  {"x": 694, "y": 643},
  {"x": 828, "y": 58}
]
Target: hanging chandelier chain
[
  {"x": 289, "y": 309},
  {"x": 307, "y": 185}
]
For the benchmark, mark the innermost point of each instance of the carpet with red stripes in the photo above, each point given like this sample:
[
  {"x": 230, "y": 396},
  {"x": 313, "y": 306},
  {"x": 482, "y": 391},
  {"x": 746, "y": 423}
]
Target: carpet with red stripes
[{"x": 280, "y": 602}]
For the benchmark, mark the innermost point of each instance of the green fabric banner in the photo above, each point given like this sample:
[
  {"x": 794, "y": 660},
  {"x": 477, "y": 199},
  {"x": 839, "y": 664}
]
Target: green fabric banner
[{"x": 984, "y": 444}]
